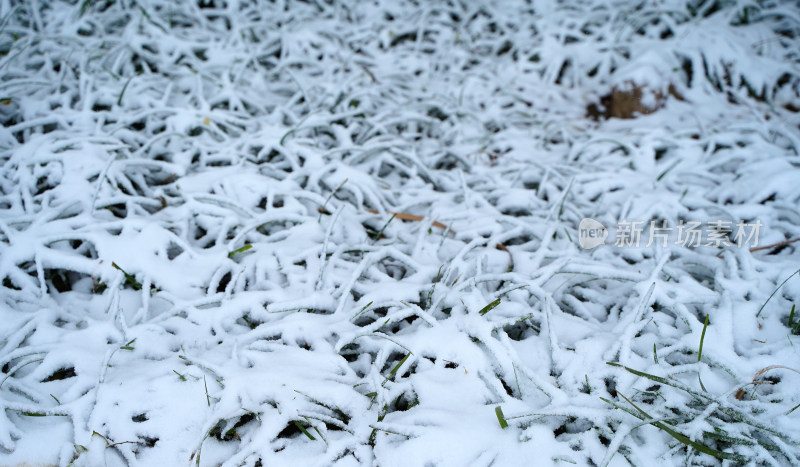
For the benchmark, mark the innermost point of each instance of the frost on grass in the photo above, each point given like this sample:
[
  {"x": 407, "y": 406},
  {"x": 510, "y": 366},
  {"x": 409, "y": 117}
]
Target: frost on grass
[{"x": 202, "y": 259}]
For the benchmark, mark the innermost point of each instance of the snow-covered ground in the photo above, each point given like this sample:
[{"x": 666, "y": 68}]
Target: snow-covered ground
[{"x": 323, "y": 233}]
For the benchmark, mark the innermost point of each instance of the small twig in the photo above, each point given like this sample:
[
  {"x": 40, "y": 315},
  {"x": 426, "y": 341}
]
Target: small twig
[
  {"x": 404, "y": 216},
  {"x": 124, "y": 442},
  {"x": 368, "y": 72},
  {"x": 775, "y": 245},
  {"x": 769, "y": 247},
  {"x": 760, "y": 372},
  {"x": 111, "y": 444},
  {"x": 410, "y": 217},
  {"x": 500, "y": 246}
]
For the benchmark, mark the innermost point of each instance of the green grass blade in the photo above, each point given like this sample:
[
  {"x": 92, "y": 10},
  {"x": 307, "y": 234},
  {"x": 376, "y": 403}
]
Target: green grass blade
[
  {"x": 646, "y": 415},
  {"x": 239, "y": 250},
  {"x": 122, "y": 93},
  {"x": 322, "y": 209},
  {"x": 84, "y": 7},
  {"x": 150, "y": 19},
  {"x": 723, "y": 436},
  {"x": 500, "y": 417},
  {"x": 439, "y": 274},
  {"x": 17, "y": 368},
  {"x": 665, "y": 172},
  {"x": 564, "y": 197},
  {"x": 489, "y": 307},
  {"x": 380, "y": 232},
  {"x": 131, "y": 280},
  {"x": 287, "y": 135},
  {"x": 303, "y": 429},
  {"x": 699, "y": 446},
  {"x": 655, "y": 378},
  {"x": 794, "y": 328},
  {"x": 702, "y": 337},
  {"x": 399, "y": 364},
  {"x": 700, "y": 380}
]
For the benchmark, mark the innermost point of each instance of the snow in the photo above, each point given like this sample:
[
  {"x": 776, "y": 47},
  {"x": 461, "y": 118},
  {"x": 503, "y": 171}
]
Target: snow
[{"x": 207, "y": 258}]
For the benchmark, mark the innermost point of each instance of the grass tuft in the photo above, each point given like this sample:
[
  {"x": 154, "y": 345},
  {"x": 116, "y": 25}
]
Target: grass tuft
[{"x": 685, "y": 440}]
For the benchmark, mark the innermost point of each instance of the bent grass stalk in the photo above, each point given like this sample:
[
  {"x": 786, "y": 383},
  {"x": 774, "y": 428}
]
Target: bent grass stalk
[
  {"x": 702, "y": 338},
  {"x": 775, "y": 291},
  {"x": 399, "y": 364}
]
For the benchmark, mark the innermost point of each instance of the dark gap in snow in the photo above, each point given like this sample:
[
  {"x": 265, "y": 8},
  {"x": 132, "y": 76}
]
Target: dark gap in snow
[
  {"x": 288, "y": 432},
  {"x": 149, "y": 441},
  {"x": 63, "y": 280},
  {"x": 403, "y": 402},
  {"x": 519, "y": 240},
  {"x": 779, "y": 249},
  {"x": 9, "y": 284},
  {"x": 318, "y": 311},
  {"x": 173, "y": 251},
  {"x": 356, "y": 295},
  {"x": 506, "y": 387},
  {"x": 60, "y": 374},
  {"x": 521, "y": 330},
  {"x": 768, "y": 199},
  {"x": 223, "y": 283},
  {"x": 119, "y": 210},
  {"x": 199, "y": 232},
  {"x": 565, "y": 65},
  {"x": 611, "y": 386}
]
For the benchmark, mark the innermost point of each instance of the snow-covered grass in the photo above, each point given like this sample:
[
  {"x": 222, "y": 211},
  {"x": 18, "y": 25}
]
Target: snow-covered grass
[{"x": 346, "y": 233}]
